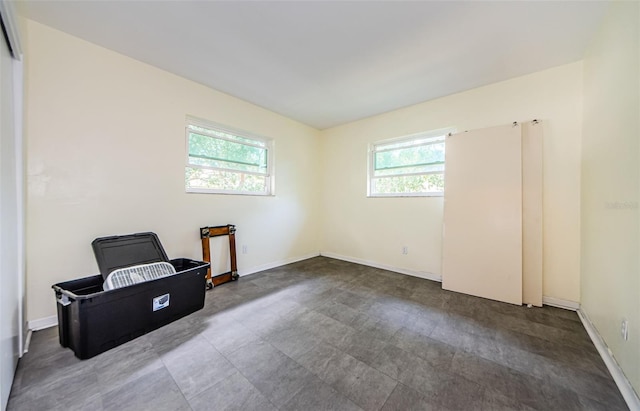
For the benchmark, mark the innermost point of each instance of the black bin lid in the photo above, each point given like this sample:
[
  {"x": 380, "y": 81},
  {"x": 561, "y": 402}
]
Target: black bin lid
[{"x": 127, "y": 250}]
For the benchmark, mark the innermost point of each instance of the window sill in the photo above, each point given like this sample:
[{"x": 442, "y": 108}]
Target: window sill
[
  {"x": 223, "y": 192},
  {"x": 405, "y": 195}
]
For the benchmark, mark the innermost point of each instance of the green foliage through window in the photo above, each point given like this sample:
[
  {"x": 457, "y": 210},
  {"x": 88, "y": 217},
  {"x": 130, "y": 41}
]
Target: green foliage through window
[
  {"x": 225, "y": 162},
  {"x": 410, "y": 166}
]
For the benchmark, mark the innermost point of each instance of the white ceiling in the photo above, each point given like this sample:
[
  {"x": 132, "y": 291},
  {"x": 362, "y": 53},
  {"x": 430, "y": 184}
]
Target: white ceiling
[{"x": 327, "y": 63}]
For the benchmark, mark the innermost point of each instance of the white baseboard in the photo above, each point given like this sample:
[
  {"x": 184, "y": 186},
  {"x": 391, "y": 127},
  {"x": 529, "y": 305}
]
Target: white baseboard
[
  {"x": 42, "y": 323},
  {"x": 51, "y": 321},
  {"x": 27, "y": 342},
  {"x": 552, "y": 301},
  {"x": 625, "y": 387},
  {"x": 275, "y": 264},
  {"x": 560, "y": 303},
  {"x": 420, "y": 274}
]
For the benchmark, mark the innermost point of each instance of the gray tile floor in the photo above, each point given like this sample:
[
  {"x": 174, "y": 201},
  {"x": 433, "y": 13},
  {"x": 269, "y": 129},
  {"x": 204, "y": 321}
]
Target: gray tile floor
[{"x": 324, "y": 334}]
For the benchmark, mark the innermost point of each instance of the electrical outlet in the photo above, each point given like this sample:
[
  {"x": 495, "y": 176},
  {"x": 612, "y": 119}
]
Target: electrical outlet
[
  {"x": 245, "y": 249},
  {"x": 624, "y": 329},
  {"x": 405, "y": 250}
]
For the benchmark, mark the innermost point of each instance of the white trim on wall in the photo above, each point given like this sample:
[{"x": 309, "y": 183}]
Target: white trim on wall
[
  {"x": 18, "y": 97},
  {"x": 52, "y": 321},
  {"x": 560, "y": 303},
  {"x": 625, "y": 387},
  {"x": 42, "y": 323},
  {"x": 27, "y": 342},
  {"x": 421, "y": 274},
  {"x": 620, "y": 379},
  {"x": 551, "y": 301},
  {"x": 275, "y": 264}
]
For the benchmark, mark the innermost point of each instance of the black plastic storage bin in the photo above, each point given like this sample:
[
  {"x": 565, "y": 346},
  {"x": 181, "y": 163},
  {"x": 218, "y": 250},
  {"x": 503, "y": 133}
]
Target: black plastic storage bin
[{"x": 91, "y": 321}]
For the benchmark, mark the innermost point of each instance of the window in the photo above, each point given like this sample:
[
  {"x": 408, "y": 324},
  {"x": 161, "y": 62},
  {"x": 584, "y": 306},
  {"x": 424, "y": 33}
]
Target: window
[
  {"x": 408, "y": 166},
  {"x": 226, "y": 161}
]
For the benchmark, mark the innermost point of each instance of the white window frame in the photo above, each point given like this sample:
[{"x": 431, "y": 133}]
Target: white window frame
[
  {"x": 210, "y": 125},
  {"x": 371, "y": 177}
]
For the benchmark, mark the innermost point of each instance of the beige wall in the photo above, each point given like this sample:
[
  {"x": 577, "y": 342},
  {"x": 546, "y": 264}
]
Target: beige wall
[
  {"x": 610, "y": 185},
  {"x": 105, "y": 155},
  {"x": 105, "y": 147},
  {"x": 375, "y": 229}
]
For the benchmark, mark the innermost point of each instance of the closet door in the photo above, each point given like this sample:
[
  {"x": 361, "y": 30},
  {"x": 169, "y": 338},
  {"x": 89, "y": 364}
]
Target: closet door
[
  {"x": 532, "y": 234},
  {"x": 482, "y": 243},
  {"x": 11, "y": 208}
]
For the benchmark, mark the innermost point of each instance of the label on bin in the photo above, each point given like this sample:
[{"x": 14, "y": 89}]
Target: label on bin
[{"x": 161, "y": 302}]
